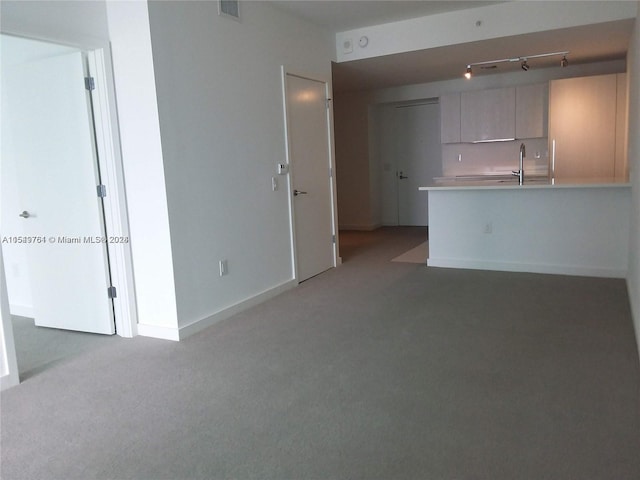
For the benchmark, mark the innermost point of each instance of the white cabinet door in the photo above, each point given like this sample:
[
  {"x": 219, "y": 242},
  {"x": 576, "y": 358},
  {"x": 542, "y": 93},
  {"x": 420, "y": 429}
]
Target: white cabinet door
[
  {"x": 582, "y": 133},
  {"x": 450, "y": 118},
  {"x": 488, "y": 115},
  {"x": 532, "y": 109}
]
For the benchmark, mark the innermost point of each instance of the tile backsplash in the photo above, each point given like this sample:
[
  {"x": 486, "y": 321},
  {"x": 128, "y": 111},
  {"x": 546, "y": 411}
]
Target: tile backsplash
[{"x": 494, "y": 158}]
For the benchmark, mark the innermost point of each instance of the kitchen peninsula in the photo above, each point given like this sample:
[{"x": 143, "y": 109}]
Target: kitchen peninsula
[{"x": 573, "y": 226}]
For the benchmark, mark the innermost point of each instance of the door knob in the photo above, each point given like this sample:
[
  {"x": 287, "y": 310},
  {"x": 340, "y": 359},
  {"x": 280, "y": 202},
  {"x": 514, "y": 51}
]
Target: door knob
[
  {"x": 25, "y": 214},
  {"x": 298, "y": 192}
]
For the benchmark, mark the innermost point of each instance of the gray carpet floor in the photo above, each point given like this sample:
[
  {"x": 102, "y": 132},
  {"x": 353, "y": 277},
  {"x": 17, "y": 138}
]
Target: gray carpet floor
[
  {"x": 38, "y": 348},
  {"x": 374, "y": 370}
]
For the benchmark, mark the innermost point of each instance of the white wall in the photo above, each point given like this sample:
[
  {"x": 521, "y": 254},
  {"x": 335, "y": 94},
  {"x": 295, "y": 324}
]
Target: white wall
[
  {"x": 221, "y": 118},
  {"x": 143, "y": 168},
  {"x": 633, "y": 279},
  {"x": 74, "y": 22}
]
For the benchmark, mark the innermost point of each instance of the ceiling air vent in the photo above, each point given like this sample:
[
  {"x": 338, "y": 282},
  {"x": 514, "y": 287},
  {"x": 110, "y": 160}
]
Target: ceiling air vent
[{"x": 229, "y": 9}]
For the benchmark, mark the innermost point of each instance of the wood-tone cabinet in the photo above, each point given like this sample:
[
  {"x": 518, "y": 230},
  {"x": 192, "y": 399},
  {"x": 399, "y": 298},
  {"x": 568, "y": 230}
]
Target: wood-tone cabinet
[
  {"x": 450, "y": 118},
  {"x": 532, "y": 110},
  {"x": 488, "y": 115},
  {"x": 582, "y": 126}
]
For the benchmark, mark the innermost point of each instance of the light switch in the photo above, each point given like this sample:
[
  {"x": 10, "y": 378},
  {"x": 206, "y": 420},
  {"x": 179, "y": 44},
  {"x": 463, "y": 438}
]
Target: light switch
[{"x": 283, "y": 169}]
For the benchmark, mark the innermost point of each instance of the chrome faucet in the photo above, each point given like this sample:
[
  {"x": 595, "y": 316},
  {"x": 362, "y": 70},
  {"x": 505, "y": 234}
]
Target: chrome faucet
[{"x": 520, "y": 173}]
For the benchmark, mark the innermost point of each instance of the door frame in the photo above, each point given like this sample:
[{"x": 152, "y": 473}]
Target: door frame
[
  {"x": 105, "y": 126},
  {"x": 115, "y": 206},
  {"x": 382, "y": 112},
  {"x": 331, "y": 163}
]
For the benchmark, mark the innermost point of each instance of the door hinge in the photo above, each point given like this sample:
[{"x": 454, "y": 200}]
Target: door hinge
[
  {"x": 330, "y": 172},
  {"x": 111, "y": 292},
  {"x": 102, "y": 191},
  {"x": 328, "y": 102},
  {"x": 333, "y": 239},
  {"x": 89, "y": 83}
]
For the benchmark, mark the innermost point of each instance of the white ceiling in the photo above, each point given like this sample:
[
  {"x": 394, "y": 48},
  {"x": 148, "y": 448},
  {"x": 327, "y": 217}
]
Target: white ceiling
[{"x": 587, "y": 44}]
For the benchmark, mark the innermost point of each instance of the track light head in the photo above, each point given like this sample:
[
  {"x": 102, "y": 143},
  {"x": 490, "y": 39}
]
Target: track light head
[{"x": 522, "y": 59}]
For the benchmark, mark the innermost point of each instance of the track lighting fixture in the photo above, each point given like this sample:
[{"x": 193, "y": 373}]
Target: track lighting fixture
[{"x": 523, "y": 61}]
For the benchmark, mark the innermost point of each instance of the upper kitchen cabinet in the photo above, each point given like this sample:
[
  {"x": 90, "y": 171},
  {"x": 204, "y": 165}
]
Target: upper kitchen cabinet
[
  {"x": 532, "y": 110},
  {"x": 450, "y": 118},
  {"x": 582, "y": 126},
  {"x": 488, "y": 115}
]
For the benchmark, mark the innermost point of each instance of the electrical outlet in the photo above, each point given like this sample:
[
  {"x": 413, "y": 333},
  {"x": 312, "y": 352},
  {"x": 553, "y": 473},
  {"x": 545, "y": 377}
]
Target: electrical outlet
[
  {"x": 488, "y": 227},
  {"x": 224, "y": 269}
]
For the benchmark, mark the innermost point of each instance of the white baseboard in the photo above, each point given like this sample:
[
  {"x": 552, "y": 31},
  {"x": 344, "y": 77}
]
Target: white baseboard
[
  {"x": 21, "y": 310},
  {"x": 199, "y": 325},
  {"x": 580, "y": 271},
  {"x": 8, "y": 381},
  {"x": 164, "y": 333}
]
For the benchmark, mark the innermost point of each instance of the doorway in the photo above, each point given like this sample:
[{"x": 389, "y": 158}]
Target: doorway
[
  {"x": 54, "y": 238},
  {"x": 408, "y": 143},
  {"x": 311, "y": 175}
]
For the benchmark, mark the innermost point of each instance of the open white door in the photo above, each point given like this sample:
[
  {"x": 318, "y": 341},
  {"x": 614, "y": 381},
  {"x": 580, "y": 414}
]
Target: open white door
[
  {"x": 308, "y": 135},
  {"x": 47, "y": 120}
]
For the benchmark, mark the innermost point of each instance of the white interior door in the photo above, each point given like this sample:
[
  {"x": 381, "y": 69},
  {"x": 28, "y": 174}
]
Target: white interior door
[
  {"x": 47, "y": 122},
  {"x": 308, "y": 135},
  {"x": 418, "y": 159}
]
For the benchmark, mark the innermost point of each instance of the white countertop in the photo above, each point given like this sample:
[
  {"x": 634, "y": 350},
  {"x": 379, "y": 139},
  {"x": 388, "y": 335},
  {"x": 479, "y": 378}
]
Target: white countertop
[{"x": 502, "y": 183}]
